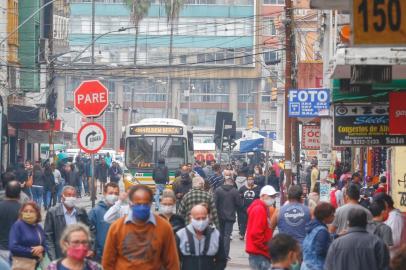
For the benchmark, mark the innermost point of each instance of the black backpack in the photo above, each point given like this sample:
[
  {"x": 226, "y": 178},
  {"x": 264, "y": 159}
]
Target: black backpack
[{"x": 160, "y": 174}]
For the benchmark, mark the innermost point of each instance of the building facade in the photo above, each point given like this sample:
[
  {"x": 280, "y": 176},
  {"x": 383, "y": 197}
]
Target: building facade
[{"x": 216, "y": 63}]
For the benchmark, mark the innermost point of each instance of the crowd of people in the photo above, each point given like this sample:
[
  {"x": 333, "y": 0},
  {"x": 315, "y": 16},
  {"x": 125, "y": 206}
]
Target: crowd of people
[{"x": 190, "y": 224}]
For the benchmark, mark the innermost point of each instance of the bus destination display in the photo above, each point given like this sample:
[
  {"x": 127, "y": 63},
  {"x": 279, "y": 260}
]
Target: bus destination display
[{"x": 156, "y": 130}]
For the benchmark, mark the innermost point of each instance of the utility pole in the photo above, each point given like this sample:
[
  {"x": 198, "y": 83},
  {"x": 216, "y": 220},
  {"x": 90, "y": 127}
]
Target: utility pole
[
  {"x": 289, "y": 51},
  {"x": 93, "y": 32}
]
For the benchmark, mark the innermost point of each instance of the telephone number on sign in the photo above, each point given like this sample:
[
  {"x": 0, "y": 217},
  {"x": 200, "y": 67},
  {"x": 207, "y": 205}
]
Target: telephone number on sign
[{"x": 360, "y": 142}]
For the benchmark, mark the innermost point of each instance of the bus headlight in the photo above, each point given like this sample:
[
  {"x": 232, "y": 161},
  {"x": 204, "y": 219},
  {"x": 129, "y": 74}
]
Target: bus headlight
[{"x": 128, "y": 178}]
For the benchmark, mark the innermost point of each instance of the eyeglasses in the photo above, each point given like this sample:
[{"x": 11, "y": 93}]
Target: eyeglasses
[{"x": 79, "y": 243}]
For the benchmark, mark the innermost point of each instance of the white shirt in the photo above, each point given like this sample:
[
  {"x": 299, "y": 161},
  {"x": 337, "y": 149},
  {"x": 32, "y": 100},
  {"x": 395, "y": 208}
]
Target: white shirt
[
  {"x": 118, "y": 210},
  {"x": 395, "y": 222},
  {"x": 69, "y": 218},
  {"x": 57, "y": 176}
]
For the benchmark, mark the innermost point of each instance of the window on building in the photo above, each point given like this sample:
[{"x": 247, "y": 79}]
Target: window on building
[
  {"x": 274, "y": 2},
  {"x": 268, "y": 26},
  {"x": 266, "y": 98},
  {"x": 205, "y": 90},
  {"x": 248, "y": 58},
  {"x": 183, "y": 59},
  {"x": 271, "y": 57},
  {"x": 246, "y": 91}
]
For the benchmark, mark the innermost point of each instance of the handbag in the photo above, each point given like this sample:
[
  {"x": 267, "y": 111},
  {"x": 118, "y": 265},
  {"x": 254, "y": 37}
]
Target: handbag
[{"x": 22, "y": 263}]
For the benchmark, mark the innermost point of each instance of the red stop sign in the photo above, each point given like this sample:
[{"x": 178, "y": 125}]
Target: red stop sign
[{"x": 91, "y": 98}]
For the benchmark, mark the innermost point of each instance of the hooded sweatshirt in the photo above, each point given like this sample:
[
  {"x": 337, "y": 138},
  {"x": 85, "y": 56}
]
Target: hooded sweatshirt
[
  {"x": 227, "y": 200},
  {"x": 258, "y": 230},
  {"x": 315, "y": 245}
]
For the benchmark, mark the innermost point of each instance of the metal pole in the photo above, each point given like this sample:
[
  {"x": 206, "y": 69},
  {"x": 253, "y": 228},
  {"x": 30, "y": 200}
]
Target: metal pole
[
  {"x": 188, "y": 111},
  {"x": 266, "y": 168},
  {"x": 93, "y": 179},
  {"x": 93, "y": 24},
  {"x": 221, "y": 141}
]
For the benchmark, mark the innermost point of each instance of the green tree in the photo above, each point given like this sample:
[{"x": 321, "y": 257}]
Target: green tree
[
  {"x": 139, "y": 9},
  {"x": 173, "y": 8}
]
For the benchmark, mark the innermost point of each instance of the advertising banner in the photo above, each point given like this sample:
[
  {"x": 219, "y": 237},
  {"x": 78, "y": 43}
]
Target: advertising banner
[
  {"x": 308, "y": 102},
  {"x": 399, "y": 178},
  {"x": 397, "y": 113},
  {"x": 310, "y": 137},
  {"x": 364, "y": 125}
]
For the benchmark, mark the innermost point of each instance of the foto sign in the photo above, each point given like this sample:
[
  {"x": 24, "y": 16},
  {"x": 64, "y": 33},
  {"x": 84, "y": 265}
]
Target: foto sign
[
  {"x": 397, "y": 113},
  {"x": 364, "y": 125},
  {"x": 308, "y": 102},
  {"x": 379, "y": 22},
  {"x": 91, "y": 137},
  {"x": 311, "y": 137},
  {"x": 91, "y": 98}
]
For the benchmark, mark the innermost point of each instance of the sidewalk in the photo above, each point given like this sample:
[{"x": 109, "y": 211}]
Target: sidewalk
[{"x": 239, "y": 259}]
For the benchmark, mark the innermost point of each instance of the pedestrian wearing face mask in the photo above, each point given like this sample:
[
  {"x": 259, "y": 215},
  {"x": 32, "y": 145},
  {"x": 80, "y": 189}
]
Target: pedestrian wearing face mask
[
  {"x": 27, "y": 238},
  {"x": 141, "y": 239},
  {"x": 292, "y": 218},
  {"x": 248, "y": 193},
  {"x": 96, "y": 217},
  {"x": 197, "y": 196},
  {"x": 167, "y": 210},
  {"x": 58, "y": 217},
  {"x": 258, "y": 231},
  {"x": 227, "y": 201},
  {"x": 75, "y": 245},
  {"x": 200, "y": 245},
  {"x": 182, "y": 185}
]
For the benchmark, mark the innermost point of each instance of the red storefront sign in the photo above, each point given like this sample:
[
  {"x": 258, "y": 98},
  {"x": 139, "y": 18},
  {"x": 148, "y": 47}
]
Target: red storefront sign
[
  {"x": 397, "y": 113},
  {"x": 310, "y": 137},
  {"x": 42, "y": 126}
]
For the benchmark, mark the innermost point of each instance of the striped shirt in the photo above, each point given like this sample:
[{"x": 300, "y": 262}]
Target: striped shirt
[{"x": 216, "y": 181}]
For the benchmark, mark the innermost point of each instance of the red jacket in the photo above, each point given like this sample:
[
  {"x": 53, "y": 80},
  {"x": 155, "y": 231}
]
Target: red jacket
[{"x": 258, "y": 231}]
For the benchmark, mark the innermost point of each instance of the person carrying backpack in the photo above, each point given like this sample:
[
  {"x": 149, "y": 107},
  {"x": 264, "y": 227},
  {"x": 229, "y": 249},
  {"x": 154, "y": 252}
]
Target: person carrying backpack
[{"x": 160, "y": 175}]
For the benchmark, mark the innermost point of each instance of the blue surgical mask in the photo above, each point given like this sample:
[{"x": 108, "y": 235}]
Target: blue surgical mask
[{"x": 141, "y": 212}]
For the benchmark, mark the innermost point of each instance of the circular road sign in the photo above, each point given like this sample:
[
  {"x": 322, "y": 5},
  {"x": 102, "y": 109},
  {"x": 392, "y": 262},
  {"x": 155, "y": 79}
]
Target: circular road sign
[
  {"x": 91, "y": 98},
  {"x": 91, "y": 137}
]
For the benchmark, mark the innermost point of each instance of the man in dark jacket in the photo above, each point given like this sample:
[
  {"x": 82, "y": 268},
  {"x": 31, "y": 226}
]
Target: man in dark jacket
[
  {"x": 227, "y": 201},
  {"x": 101, "y": 173},
  {"x": 193, "y": 255},
  {"x": 9, "y": 209},
  {"x": 357, "y": 249},
  {"x": 58, "y": 217},
  {"x": 160, "y": 175},
  {"x": 96, "y": 217},
  {"x": 81, "y": 174},
  {"x": 115, "y": 172},
  {"x": 182, "y": 185}
]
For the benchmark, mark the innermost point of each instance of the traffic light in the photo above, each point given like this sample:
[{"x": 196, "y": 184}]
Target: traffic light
[
  {"x": 250, "y": 123},
  {"x": 274, "y": 94}
]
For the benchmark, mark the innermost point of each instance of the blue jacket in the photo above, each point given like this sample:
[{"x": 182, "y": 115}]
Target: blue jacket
[
  {"x": 315, "y": 245},
  {"x": 96, "y": 218},
  {"x": 23, "y": 237}
]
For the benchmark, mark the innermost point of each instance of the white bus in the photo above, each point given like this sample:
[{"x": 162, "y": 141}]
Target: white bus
[{"x": 152, "y": 139}]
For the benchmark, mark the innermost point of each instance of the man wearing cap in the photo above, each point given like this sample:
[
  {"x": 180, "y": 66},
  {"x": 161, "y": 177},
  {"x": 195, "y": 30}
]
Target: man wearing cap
[{"x": 258, "y": 232}]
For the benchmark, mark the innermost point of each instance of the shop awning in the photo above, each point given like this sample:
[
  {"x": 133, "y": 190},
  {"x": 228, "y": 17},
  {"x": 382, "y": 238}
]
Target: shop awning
[
  {"x": 252, "y": 145},
  {"x": 380, "y": 92},
  {"x": 25, "y": 114}
]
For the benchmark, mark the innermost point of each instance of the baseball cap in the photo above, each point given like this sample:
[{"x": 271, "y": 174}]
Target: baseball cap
[{"x": 268, "y": 190}]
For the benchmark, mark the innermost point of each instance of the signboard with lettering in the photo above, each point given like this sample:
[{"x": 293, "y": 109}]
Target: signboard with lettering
[
  {"x": 310, "y": 137},
  {"x": 156, "y": 130},
  {"x": 398, "y": 185},
  {"x": 397, "y": 113},
  {"x": 308, "y": 102},
  {"x": 325, "y": 192},
  {"x": 364, "y": 125},
  {"x": 379, "y": 22}
]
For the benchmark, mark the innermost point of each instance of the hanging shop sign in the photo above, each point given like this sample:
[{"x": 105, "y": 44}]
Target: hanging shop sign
[
  {"x": 397, "y": 113},
  {"x": 379, "y": 22},
  {"x": 364, "y": 125},
  {"x": 398, "y": 185},
  {"x": 310, "y": 137},
  {"x": 308, "y": 102}
]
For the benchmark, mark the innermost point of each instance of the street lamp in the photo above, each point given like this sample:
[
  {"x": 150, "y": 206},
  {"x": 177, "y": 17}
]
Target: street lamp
[{"x": 122, "y": 29}]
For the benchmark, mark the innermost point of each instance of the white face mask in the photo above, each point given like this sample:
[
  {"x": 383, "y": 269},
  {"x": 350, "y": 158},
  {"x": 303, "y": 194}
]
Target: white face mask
[
  {"x": 270, "y": 201},
  {"x": 167, "y": 209},
  {"x": 111, "y": 199},
  {"x": 70, "y": 202},
  {"x": 200, "y": 225}
]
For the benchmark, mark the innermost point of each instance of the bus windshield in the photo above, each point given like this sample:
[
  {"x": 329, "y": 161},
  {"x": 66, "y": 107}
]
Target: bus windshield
[{"x": 144, "y": 152}]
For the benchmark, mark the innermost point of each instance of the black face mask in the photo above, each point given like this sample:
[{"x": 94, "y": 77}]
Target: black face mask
[{"x": 184, "y": 177}]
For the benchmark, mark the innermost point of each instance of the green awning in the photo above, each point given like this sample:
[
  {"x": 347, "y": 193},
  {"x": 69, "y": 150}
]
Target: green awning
[{"x": 379, "y": 92}]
